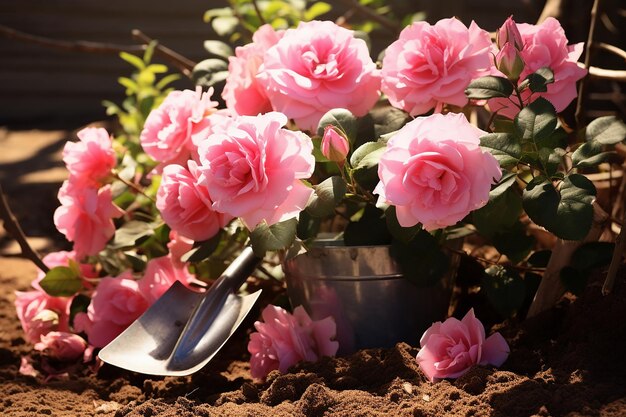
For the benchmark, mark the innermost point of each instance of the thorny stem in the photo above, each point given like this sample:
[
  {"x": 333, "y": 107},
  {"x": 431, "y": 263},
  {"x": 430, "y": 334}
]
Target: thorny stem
[
  {"x": 582, "y": 90},
  {"x": 12, "y": 226}
]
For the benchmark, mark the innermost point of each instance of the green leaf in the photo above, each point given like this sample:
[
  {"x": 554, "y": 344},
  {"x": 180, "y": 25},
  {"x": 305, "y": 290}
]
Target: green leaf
[
  {"x": 607, "y": 130},
  {"x": 342, "y": 119},
  {"x": 61, "y": 281},
  {"x": 489, "y": 87},
  {"x": 209, "y": 72},
  {"x": 421, "y": 260},
  {"x": 328, "y": 194},
  {"x": 317, "y": 9},
  {"x": 218, "y": 48},
  {"x": 504, "y": 289},
  {"x": 133, "y": 60},
  {"x": 536, "y": 122},
  {"x": 502, "y": 210},
  {"x": 568, "y": 212},
  {"x": 157, "y": 68},
  {"x": 131, "y": 233},
  {"x": 360, "y": 159},
  {"x": 79, "y": 304},
  {"x": 590, "y": 154},
  {"x": 275, "y": 237},
  {"x": 538, "y": 81},
  {"x": 513, "y": 242},
  {"x": 505, "y": 147},
  {"x": 387, "y": 119},
  {"x": 224, "y": 25},
  {"x": 403, "y": 234},
  {"x": 165, "y": 81}
]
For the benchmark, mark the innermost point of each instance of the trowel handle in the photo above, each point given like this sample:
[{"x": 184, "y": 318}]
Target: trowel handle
[{"x": 238, "y": 271}]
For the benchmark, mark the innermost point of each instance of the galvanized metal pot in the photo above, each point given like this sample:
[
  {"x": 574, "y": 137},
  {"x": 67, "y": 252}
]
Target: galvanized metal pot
[{"x": 362, "y": 287}]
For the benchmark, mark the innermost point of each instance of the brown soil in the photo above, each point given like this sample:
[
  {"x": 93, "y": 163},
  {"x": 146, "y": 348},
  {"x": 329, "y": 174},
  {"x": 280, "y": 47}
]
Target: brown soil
[{"x": 568, "y": 362}]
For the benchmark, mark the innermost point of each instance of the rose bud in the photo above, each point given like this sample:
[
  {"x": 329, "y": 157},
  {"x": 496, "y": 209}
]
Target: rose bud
[
  {"x": 510, "y": 62},
  {"x": 335, "y": 146},
  {"x": 508, "y": 32}
]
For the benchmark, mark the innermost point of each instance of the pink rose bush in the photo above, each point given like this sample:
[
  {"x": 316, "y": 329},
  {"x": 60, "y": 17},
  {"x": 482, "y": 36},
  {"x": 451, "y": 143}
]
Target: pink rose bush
[
  {"x": 92, "y": 159},
  {"x": 243, "y": 92},
  {"x": 168, "y": 133},
  {"x": 434, "y": 172},
  {"x": 317, "y": 67},
  {"x": 429, "y": 66},
  {"x": 185, "y": 204},
  {"x": 544, "y": 45},
  {"x": 283, "y": 339},
  {"x": 253, "y": 170},
  {"x": 451, "y": 348}
]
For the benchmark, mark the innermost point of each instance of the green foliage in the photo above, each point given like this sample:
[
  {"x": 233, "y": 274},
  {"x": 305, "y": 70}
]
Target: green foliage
[
  {"x": 328, "y": 195},
  {"x": 343, "y": 120},
  {"x": 61, "y": 281},
  {"x": 489, "y": 86},
  {"x": 278, "y": 236},
  {"x": 504, "y": 288},
  {"x": 421, "y": 260}
]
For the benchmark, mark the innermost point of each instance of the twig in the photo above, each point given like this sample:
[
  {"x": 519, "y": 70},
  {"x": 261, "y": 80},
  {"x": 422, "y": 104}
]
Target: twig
[
  {"x": 12, "y": 226},
  {"x": 133, "y": 186},
  {"x": 550, "y": 288},
  {"x": 258, "y": 12},
  {"x": 607, "y": 74},
  {"x": 610, "y": 48},
  {"x": 582, "y": 90},
  {"x": 183, "y": 64},
  {"x": 371, "y": 14}
]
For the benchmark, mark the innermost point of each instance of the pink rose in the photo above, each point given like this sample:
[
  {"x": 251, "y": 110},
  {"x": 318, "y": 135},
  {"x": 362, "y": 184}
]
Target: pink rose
[
  {"x": 317, "y": 67},
  {"x": 335, "y": 146},
  {"x": 85, "y": 217},
  {"x": 160, "y": 274},
  {"x": 253, "y": 170},
  {"x": 451, "y": 348},
  {"x": 432, "y": 65},
  {"x": 243, "y": 93},
  {"x": 90, "y": 160},
  {"x": 40, "y": 313},
  {"x": 167, "y": 133},
  {"x": 178, "y": 246},
  {"x": 545, "y": 45},
  {"x": 115, "y": 304},
  {"x": 185, "y": 205},
  {"x": 434, "y": 171},
  {"x": 62, "y": 345},
  {"x": 283, "y": 339}
]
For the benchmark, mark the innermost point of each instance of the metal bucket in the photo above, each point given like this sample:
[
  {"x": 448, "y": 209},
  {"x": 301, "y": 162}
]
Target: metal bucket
[{"x": 363, "y": 289}]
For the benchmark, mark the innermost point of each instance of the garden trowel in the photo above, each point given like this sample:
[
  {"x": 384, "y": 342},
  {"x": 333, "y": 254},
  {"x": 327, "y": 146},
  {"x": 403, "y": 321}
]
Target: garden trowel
[{"x": 184, "y": 329}]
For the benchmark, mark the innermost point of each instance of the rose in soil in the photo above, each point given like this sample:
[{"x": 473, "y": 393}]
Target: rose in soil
[
  {"x": 429, "y": 66},
  {"x": 62, "y": 345},
  {"x": 253, "y": 170},
  {"x": 282, "y": 340},
  {"x": 317, "y": 67},
  {"x": 451, "y": 348},
  {"x": 545, "y": 45},
  {"x": 434, "y": 171},
  {"x": 40, "y": 313}
]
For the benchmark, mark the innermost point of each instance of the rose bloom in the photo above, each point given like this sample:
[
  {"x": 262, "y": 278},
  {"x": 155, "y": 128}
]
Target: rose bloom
[
  {"x": 545, "y": 45},
  {"x": 283, "y": 339},
  {"x": 167, "y": 133},
  {"x": 451, "y": 348},
  {"x": 115, "y": 304},
  {"x": 185, "y": 205},
  {"x": 160, "y": 274},
  {"x": 178, "y": 246},
  {"x": 253, "y": 170},
  {"x": 317, "y": 67},
  {"x": 62, "y": 345},
  {"x": 334, "y": 146},
  {"x": 85, "y": 217},
  {"x": 243, "y": 93},
  {"x": 92, "y": 158},
  {"x": 432, "y": 65},
  {"x": 40, "y": 313},
  {"x": 434, "y": 171}
]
